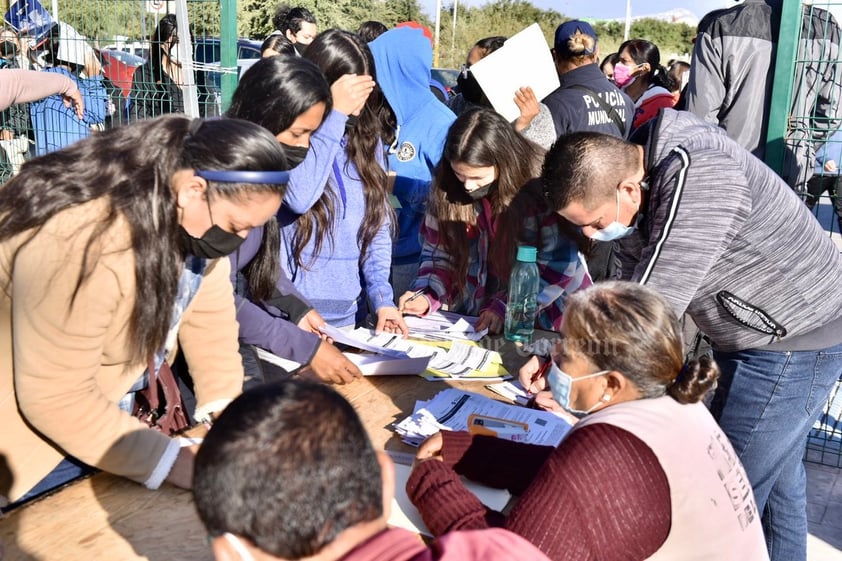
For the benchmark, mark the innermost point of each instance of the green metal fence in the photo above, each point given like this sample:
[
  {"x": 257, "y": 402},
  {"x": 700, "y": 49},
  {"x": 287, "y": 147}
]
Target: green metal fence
[
  {"x": 806, "y": 106},
  {"x": 803, "y": 145},
  {"x": 128, "y": 63}
]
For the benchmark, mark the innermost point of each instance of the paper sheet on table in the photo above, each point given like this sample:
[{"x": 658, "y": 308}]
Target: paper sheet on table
[
  {"x": 405, "y": 515},
  {"x": 447, "y": 358},
  {"x": 379, "y": 365},
  {"x": 513, "y": 391},
  {"x": 369, "y": 364},
  {"x": 523, "y": 60},
  {"x": 444, "y": 326},
  {"x": 359, "y": 339},
  {"x": 450, "y": 409}
]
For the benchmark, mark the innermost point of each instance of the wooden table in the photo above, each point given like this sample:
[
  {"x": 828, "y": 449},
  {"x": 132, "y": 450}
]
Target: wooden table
[{"x": 111, "y": 518}]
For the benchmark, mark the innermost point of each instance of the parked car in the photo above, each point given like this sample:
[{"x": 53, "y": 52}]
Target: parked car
[
  {"x": 207, "y": 51},
  {"x": 446, "y": 77}
]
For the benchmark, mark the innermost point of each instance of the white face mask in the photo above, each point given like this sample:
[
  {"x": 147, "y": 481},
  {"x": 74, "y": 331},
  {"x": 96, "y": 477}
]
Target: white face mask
[
  {"x": 238, "y": 546},
  {"x": 615, "y": 230}
]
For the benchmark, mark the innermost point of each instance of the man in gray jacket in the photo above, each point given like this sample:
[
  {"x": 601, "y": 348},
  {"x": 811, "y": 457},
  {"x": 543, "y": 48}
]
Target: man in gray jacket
[{"x": 724, "y": 239}]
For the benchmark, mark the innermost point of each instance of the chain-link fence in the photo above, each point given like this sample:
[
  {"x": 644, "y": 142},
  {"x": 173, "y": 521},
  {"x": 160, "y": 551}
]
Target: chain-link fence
[{"x": 131, "y": 59}]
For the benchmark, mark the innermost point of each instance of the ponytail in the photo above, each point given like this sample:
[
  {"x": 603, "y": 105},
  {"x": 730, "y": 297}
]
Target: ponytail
[{"x": 696, "y": 378}]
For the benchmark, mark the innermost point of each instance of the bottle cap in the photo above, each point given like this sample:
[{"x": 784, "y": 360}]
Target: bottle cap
[{"x": 527, "y": 253}]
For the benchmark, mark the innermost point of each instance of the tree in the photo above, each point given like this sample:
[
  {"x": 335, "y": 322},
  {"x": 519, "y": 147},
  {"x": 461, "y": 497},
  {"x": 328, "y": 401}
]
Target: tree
[
  {"x": 501, "y": 17},
  {"x": 255, "y": 16}
]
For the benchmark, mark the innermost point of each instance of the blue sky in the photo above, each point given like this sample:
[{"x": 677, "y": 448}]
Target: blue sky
[{"x": 606, "y": 8}]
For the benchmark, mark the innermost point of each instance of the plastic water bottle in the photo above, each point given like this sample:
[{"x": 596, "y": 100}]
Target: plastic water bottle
[{"x": 523, "y": 296}]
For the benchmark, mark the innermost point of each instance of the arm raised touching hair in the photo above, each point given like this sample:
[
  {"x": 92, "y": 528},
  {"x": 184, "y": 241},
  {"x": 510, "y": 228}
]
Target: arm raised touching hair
[{"x": 308, "y": 179}]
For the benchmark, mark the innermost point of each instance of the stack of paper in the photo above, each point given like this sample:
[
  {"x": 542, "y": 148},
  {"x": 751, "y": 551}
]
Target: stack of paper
[
  {"x": 444, "y": 326},
  {"x": 452, "y": 408},
  {"x": 445, "y": 359}
]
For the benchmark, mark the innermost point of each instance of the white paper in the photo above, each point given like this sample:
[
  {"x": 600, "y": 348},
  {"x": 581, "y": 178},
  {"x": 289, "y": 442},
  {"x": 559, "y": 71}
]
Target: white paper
[
  {"x": 513, "y": 391},
  {"x": 450, "y": 409},
  {"x": 405, "y": 515},
  {"x": 523, "y": 60},
  {"x": 359, "y": 339},
  {"x": 271, "y": 358},
  {"x": 379, "y": 365},
  {"x": 444, "y": 326},
  {"x": 459, "y": 360}
]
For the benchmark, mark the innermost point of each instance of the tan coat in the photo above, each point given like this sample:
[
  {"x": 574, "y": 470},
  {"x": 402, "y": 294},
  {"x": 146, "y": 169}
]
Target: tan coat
[{"x": 63, "y": 369}]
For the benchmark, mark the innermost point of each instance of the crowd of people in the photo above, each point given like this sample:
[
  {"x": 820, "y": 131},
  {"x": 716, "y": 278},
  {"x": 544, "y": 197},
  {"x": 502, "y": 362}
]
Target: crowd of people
[{"x": 339, "y": 189}]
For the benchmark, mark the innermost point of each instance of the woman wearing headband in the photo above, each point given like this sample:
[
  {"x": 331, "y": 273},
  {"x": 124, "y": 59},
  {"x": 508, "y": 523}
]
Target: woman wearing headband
[{"x": 110, "y": 252}]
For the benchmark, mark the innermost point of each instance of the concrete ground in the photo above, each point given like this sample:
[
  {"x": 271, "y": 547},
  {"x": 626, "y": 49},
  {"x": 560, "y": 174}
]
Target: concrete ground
[{"x": 824, "y": 512}]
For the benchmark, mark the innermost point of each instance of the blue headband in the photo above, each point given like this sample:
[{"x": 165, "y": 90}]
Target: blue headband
[{"x": 233, "y": 176}]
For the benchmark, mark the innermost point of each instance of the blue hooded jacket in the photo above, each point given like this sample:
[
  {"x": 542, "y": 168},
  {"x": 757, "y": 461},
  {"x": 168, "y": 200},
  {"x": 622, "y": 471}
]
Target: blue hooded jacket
[{"x": 403, "y": 58}]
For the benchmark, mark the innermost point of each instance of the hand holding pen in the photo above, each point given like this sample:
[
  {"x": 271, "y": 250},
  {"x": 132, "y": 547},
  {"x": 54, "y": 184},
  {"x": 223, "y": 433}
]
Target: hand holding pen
[
  {"x": 413, "y": 302},
  {"x": 532, "y": 374}
]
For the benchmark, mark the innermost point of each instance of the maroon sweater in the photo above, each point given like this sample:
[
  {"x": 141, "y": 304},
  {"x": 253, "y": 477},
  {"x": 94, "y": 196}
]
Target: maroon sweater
[{"x": 602, "y": 494}]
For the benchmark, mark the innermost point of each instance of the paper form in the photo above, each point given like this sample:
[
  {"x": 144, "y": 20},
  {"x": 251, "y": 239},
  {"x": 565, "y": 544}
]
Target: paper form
[
  {"x": 405, "y": 515},
  {"x": 444, "y": 326},
  {"x": 379, "y": 365},
  {"x": 513, "y": 391},
  {"x": 450, "y": 409}
]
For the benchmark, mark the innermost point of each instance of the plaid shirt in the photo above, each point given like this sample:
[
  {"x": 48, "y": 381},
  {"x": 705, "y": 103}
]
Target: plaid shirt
[{"x": 560, "y": 264}]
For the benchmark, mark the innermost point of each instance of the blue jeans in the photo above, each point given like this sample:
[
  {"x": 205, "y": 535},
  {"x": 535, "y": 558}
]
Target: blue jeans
[
  {"x": 69, "y": 469},
  {"x": 766, "y": 403}
]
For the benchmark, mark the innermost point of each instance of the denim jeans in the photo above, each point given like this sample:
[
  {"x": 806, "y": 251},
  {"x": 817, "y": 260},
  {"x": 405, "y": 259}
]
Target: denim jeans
[
  {"x": 766, "y": 403},
  {"x": 69, "y": 469}
]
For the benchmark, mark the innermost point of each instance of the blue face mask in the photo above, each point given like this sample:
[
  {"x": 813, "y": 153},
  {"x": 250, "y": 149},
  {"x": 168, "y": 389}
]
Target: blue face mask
[
  {"x": 615, "y": 230},
  {"x": 561, "y": 383}
]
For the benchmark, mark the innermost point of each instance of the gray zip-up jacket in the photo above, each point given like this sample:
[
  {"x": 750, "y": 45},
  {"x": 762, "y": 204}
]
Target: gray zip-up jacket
[
  {"x": 715, "y": 218},
  {"x": 733, "y": 69}
]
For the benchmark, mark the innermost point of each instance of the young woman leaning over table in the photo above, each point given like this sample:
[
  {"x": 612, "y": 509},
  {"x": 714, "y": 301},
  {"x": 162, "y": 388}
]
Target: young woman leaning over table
[
  {"x": 289, "y": 96},
  {"x": 479, "y": 209},
  {"x": 645, "y": 474},
  {"x": 109, "y": 251}
]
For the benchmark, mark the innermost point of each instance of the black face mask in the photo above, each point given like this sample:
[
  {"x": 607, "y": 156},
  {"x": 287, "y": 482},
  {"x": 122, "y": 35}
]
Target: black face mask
[
  {"x": 295, "y": 154},
  {"x": 215, "y": 243},
  {"x": 483, "y": 191},
  {"x": 300, "y": 48},
  {"x": 470, "y": 89},
  {"x": 8, "y": 49}
]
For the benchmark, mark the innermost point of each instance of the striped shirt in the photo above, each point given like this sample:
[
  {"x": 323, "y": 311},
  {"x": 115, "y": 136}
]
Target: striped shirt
[{"x": 561, "y": 266}]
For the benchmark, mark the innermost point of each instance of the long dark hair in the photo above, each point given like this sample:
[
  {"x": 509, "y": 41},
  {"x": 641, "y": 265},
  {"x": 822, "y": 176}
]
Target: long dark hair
[
  {"x": 273, "y": 93},
  {"x": 337, "y": 53},
  {"x": 479, "y": 138},
  {"x": 132, "y": 167},
  {"x": 641, "y": 51},
  {"x": 166, "y": 28}
]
